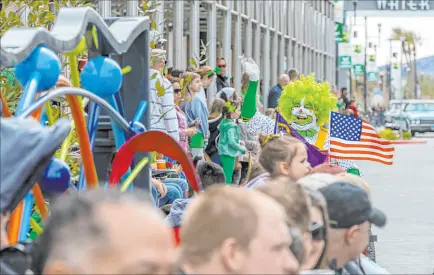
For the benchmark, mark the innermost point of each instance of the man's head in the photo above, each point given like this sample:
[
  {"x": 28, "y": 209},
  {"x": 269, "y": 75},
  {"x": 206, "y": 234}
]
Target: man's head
[
  {"x": 294, "y": 200},
  {"x": 210, "y": 174},
  {"x": 293, "y": 75},
  {"x": 344, "y": 91},
  {"x": 228, "y": 230},
  {"x": 100, "y": 232},
  {"x": 283, "y": 80},
  {"x": 158, "y": 59},
  {"x": 351, "y": 213},
  {"x": 221, "y": 63}
]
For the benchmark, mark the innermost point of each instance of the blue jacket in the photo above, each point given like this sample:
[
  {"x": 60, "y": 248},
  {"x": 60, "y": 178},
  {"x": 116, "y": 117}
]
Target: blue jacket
[
  {"x": 197, "y": 109},
  {"x": 274, "y": 96}
]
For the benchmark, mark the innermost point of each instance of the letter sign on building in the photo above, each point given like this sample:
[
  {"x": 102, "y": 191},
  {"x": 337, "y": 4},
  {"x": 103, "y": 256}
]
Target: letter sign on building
[{"x": 404, "y": 5}]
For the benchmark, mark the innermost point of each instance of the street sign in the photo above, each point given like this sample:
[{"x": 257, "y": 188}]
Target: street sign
[
  {"x": 371, "y": 67},
  {"x": 345, "y": 56},
  {"x": 372, "y": 76},
  {"x": 358, "y": 60},
  {"x": 359, "y": 69}
]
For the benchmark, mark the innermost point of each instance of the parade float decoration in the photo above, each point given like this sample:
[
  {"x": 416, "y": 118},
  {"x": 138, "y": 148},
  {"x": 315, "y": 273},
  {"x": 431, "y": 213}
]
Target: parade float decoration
[{"x": 113, "y": 82}]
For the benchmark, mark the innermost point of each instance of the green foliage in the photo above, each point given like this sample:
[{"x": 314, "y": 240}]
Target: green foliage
[
  {"x": 388, "y": 134},
  {"x": 406, "y": 135}
]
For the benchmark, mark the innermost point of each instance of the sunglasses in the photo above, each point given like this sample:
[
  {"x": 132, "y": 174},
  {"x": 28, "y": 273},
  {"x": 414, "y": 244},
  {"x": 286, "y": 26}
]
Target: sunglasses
[
  {"x": 317, "y": 231},
  {"x": 222, "y": 66},
  {"x": 177, "y": 91}
]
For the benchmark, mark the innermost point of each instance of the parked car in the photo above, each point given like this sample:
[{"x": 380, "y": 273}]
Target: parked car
[
  {"x": 394, "y": 111},
  {"x": 419, "y": 115}
]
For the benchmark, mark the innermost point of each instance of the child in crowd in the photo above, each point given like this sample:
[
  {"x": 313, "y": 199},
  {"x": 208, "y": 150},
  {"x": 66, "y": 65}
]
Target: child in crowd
[
  {"x": 196, "y": 111},
  {"x": 214, "y": 119},
  {"x": 281, "y": 156},
  {"x": 229, "y": 143}
]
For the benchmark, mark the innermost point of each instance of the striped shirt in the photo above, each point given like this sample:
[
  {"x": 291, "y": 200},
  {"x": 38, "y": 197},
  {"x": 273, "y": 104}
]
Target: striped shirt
[{"x": 163, "y": 111}]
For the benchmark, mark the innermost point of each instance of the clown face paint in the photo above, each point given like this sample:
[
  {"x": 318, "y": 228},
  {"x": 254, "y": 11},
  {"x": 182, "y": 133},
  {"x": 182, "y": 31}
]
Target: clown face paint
[{"x": 303, "y": 116}]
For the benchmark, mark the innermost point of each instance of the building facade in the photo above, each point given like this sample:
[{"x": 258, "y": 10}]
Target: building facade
[{"x": 278, "y": 35}]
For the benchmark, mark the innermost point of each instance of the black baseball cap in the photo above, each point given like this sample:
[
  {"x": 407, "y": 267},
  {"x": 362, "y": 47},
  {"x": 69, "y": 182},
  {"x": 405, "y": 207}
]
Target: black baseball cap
[{"x": 349, "y": 205}]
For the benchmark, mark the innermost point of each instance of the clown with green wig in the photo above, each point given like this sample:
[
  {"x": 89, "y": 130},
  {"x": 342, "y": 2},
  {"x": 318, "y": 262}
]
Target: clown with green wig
[{"x": 304, "y": 104}]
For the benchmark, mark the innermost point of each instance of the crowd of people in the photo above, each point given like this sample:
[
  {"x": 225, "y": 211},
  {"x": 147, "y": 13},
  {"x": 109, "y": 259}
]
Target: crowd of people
[{"x": 263, "y": 208}]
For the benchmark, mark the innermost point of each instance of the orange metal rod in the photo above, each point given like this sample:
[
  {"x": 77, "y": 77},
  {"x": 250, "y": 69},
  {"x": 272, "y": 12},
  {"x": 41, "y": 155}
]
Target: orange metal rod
[
  {"x": 83, "y": 140},
  {"x": 14, "y": 224},
  {"x": 6, "y": 112}
]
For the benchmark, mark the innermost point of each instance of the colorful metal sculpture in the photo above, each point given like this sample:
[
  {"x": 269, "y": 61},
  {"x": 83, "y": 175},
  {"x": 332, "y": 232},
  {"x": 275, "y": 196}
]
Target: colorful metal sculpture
[{"x": 120, "y": 93}]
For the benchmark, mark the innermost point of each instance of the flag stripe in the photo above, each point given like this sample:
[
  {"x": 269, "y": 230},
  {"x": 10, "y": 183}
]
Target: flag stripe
[
  {"x": 363, "y": 145},
  {"x": 369, "y": 135},
  {"x": 387, "y": 162},
  {"x": 376, "y": 141},
  {"x": 367, "y": 126},
  {"x": 355, "y": 139},
  {"x": 361, "y": 152}
]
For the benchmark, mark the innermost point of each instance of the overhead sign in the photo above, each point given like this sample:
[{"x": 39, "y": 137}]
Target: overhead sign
[
  {"x": 403, "y": 5},
  {"x": 391, "y": 7},
  {"x": 345, "y": 55}
]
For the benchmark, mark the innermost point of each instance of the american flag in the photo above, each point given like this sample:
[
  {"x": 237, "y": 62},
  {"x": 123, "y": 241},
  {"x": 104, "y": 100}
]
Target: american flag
[{"x": 354, "y": 139}]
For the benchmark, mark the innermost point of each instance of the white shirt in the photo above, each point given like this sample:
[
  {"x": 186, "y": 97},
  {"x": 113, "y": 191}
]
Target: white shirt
[{"x": 163, "y": 112}]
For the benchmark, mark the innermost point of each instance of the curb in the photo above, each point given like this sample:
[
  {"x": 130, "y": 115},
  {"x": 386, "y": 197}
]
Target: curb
[{"x": 408, "y": 141}]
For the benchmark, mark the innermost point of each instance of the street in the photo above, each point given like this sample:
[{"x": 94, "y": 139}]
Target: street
[{"x": 405, "y": 191}]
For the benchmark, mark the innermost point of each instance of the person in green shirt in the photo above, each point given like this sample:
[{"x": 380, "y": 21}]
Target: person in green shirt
[{"x": 229, "y": 142}]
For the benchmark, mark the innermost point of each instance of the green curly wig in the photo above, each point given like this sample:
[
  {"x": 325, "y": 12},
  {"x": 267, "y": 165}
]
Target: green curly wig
[{"x": 316, "y": 94}]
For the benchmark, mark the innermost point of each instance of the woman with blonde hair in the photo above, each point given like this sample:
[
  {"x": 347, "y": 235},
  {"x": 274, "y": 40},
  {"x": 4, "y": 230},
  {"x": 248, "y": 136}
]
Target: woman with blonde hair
[
  {"x": 207, "y": 75},
  {"x": 197, "y": 113}
]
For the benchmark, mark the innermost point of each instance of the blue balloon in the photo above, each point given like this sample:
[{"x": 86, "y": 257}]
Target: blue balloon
[
  {"x": 56, "y": 177},
  {"x": 45, "y": 63},
  {"x": 102, "y": 76}
]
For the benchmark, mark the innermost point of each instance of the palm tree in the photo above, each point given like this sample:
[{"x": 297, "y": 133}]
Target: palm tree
[{"x": 411, "y": 39}]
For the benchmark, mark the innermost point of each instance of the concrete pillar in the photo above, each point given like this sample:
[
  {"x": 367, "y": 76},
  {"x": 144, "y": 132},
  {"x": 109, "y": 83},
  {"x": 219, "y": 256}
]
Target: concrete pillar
[
  {"x": 194, "y": 29},
  {"x": 178, "y": 34},
  {"x": 212, "y": 48}
]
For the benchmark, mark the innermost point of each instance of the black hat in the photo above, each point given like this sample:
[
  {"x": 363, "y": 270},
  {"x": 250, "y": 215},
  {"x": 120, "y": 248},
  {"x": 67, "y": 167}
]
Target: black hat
[{"x": 349, "y": 205}]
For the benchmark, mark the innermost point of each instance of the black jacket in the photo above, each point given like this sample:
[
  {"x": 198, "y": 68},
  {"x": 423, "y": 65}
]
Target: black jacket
[
  {"x": 213, "y": 124},
  {"x": 221, "y": 82}
]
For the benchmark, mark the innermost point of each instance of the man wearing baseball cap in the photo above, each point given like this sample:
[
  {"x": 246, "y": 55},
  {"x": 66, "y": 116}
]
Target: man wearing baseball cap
[{"x": 351, "y": 213}]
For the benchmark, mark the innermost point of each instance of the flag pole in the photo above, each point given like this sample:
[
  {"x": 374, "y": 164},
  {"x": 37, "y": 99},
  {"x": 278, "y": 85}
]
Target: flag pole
[{"x": 330, "y": 130}]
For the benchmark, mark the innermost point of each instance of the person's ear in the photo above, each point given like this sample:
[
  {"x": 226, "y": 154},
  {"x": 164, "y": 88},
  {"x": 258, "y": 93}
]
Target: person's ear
[
  {"x": 351, "y": 234},
  {"x": 283, "y": 168},
  {"x": 232, "y": 256}
]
